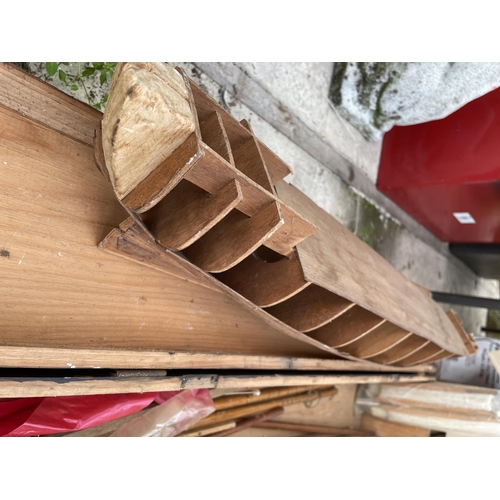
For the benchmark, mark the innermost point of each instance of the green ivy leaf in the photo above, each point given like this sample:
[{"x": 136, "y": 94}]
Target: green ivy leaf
[
  {"x": 88, "y": 71},
  {"x": 97, "y": 106},
  {"x": 65, "y": 64},
  {"x": 62, "y": 76},
  {"x": 51, "y": 68},
  {"x": 102, "y": 78},
  {"x": 98, "y": 65},
  {"x": 74, "y": 87},
  {"x": 105, "y": 99}
]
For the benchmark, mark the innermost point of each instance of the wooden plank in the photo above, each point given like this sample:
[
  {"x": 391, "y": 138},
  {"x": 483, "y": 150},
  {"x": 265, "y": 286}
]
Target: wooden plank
[
  {"x": 265, "y": 283},
  {"x": 337, "y": 260},
  {"x": 233, "y": 239},
  {"x": 61, "y": 290},
  {"x": 15, "y": 388},
  {"x": 353, "y": 324},
  {"x": 467, "y": 338},
  {"x": 46, "y": 105},
  {"x": 310, "y": 308},
  {"x": 401, "y": 350},
  {"x": 377, "y": 341},
  {"x": 188, "y": 212},
  {"x": 214, "y": 136},
  {"x": 141, "y": 248},
  {"x": 385, "y": 428},
  {"x": 12, "y": 356}
]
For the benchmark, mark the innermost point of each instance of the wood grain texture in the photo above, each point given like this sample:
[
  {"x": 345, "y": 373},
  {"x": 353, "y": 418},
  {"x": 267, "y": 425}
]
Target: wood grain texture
[
  {"x": 233, "y": 239},
  {"x": 188, "y": 212},
  {"x": 207, "y": 431},
  {"x": 257, "y": 408},
  {"x": 385, "y": 428},
  {"x": 350, "y": 326},
  {"x": 152, "y": 189},
  {"x": 315, "y": 429},
  {"x": 276, "y": 167},
  {"x": 147, "y": 117},
  {"x": 249, "y": 161},
  {"x": 466, "y": 337},
  {"x": 61, "y": 290},
  {"x": 223, "y": 403},
  {"x": 421, "y": 355},
  {"x": 401, "y": 350},
  {"x": 15, "y": 388},
  {"x": 212, "y": 173},
  {"x": 12, "y": 356},
  {"x": 42, "y": 103},
  {"x": 265, "y": 283},
  {"x": 214, "y": 135},
  {"x": 310, "y": 308},
  {"x": 251, "y": 422},
  {"x": 337, "y": 260},
  {"x": 294, "y": 230},
  {"x": 377, "y": 341}
]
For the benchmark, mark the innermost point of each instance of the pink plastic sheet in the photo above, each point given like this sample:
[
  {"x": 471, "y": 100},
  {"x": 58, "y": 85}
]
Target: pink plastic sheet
[{"x": 51, "y": 415}]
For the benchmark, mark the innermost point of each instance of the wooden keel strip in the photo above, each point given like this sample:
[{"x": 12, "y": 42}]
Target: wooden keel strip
[
  {"x": 311, "y": 308},
  {"x": 233, "y": 239},
  {"x": 189, "y": 212},
  {"x": 265, "y": 283},
  {"x": 349, "y": 327}
]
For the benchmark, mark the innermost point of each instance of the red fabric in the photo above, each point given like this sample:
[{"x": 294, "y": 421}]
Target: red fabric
[{"x": 38, "y": 416}]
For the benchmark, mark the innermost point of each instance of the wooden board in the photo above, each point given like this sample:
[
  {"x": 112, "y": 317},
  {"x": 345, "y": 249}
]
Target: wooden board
[
  {"x": 97, "y": 357},
  {"x": 385, "y": 428},
  {"x": 61, "y": 290},
  {"x": 337, "y": 260},
  {"x": 36, "y": 387}
]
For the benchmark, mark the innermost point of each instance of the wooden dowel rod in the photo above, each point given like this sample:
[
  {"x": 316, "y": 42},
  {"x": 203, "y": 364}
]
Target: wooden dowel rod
[
  {"x": 314, "y": 429},
  {"x": 251, "y": 422},
  {"x": 224, "y": 403},
  {"x": 255, "y": 409},
  {"x": 205, "y": 431}
]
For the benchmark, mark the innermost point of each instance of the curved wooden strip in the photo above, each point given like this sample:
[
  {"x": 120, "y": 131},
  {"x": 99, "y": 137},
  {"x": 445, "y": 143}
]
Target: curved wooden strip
[
  {"x": 347, "y": 328},
  {"x": 188, "y": 212},
  {"x": 400, "y": 351},
  {"x": 234, "y": 238},
  {"x": 310, "y": 308},
  {"x": 440, "y": 356},
  {"x": 265, "y": 283},
  {"x": 421, "y": 356},
  {"x": 377, "y": 341}
]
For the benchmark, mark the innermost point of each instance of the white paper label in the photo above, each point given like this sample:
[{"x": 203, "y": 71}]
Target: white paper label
[{"x": 464, "y": 217}]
